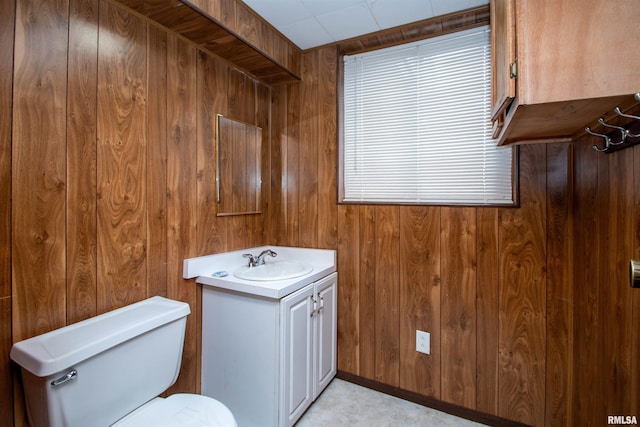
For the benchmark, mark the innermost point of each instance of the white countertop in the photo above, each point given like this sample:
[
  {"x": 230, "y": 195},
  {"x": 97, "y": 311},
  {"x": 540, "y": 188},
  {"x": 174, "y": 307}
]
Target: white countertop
[{"x": 203, "y": 268}]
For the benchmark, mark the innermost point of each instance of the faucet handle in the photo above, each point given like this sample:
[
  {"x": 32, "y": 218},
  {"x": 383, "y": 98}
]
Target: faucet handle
[{"x": 252, "y": 259}]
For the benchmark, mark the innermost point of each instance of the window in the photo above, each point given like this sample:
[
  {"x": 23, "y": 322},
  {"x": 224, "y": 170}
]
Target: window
[{"x": 416, "y": 125}]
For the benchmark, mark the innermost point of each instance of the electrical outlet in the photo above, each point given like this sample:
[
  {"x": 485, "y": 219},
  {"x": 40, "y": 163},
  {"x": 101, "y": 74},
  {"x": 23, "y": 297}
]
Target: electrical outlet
[{"x": 423, "y": 342}]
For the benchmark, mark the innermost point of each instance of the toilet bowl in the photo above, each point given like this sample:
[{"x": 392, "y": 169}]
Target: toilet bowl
[{"x": 110, "y": 370}]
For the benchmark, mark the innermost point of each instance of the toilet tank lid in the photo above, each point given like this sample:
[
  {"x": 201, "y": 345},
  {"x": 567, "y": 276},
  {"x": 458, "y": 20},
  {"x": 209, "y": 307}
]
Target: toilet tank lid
[{"x": 61, "y": 349}]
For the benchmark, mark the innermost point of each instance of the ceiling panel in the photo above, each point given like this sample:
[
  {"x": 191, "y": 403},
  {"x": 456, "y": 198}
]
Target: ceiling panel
[{"x": 312, "y": 23}]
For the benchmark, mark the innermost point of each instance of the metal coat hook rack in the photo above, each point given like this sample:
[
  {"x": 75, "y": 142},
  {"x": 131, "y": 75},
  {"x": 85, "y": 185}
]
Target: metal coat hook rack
[{"x": 620, "y": 136}]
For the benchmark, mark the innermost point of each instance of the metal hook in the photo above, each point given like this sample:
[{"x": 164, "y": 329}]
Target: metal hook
[
  {"x": 622, "y": 130},
  {"x": 607, "y": 140},
  {"x": 628, "y": 116}
]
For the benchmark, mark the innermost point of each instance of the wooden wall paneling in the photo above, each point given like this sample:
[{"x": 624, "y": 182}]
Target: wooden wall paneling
[
  {"x": 263, "y": 116},
  {"x": 522, "y": 334},
  {"x": 251, "y": 192},
  {"x": 327, "y": 149},
  {"x": 560, "y": 298},
  {"x": 586, "y": 279},
  {"x": 487, "y": 305},
  {"x": 38, "y": 177},
  {"x": 157, "y": 162},
  {"x": 227, "y": 10},
  {"x": 635, "y": 336},
  {"x": 268, "y": 36},
  {"x": 248, "y": 25},
  {"x": 182, "y": 195},
  {"x": 275, "y": 218},
  {"x": 604, "y": 309},
  {"x": 239, "y": 89},
  {"x": 348, "y": 261},
  {"x": 39, "y": 167},
  {"x": 8, "y": 371},
  {"x": 616, "y": 294},
  {"x": 634, "y": 394},
  {"x": 81, "y": 160},
  {"x": 294, "y": 58},
  {"x": 182, "y": 19},
  {"x": 241, "y": 97},
  {"x": 253, "y": 223},
  {"x": 233, "y": 225},
  {"x": 121, "y": 166},
  {"x": 387, "y": 296},
  {"x": 308, "y": 157},
  {"x": 368, "y": 322},
  {"x": 420, "y": 298},
  {"x": 212, "y": 8},
  {"x": 212, "y": 100},
  {"x": 458, "y": 306},
  {"x": 252, "y": 101},
  {"x": 606, "y": 279},
  {"x": 280, "y": 52},
  {"x": 602, "y": 371},
  {"x": 292, "y": 167},
  {"x": 205, "y": 191},
  {"x": 7, "y": 26},
  {"x": 221, "y": 10}
]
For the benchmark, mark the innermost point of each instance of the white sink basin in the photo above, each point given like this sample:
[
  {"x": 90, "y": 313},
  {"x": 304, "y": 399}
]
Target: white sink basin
[{"x": 277, "y": 270}]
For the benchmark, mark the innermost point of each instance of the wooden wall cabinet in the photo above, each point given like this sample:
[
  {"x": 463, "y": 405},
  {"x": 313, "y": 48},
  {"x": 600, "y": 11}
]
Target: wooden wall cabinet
[
  {"x": 227, "y": 29},
  {"x": 559, "y": 66}
]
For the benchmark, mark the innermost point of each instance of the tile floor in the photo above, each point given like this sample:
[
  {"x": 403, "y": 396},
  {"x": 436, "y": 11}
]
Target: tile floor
[{"x": 344, "y": 404}]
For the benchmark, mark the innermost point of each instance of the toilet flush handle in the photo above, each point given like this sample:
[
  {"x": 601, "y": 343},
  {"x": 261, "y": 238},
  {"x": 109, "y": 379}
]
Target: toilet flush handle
[{"x": 72, "y": 374}]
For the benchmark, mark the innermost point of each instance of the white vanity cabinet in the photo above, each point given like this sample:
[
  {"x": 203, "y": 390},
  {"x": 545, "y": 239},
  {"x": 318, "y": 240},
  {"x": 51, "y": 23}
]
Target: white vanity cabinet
[{"x": 268, "y": 359}]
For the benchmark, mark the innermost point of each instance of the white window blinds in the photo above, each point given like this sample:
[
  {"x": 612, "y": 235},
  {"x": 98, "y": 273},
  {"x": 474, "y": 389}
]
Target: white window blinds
[{"x": 416, "y": 125}]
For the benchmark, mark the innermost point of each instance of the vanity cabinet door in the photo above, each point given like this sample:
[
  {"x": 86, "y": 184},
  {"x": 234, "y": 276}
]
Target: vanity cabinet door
[
  {"x": 326, "y": 328},
  {"x": 297, "y": 356},
  {"x": 309, "y": 343}
]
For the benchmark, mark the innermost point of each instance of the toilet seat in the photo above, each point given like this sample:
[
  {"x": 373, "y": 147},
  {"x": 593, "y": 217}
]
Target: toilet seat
[{"x": 180, "y": 410}]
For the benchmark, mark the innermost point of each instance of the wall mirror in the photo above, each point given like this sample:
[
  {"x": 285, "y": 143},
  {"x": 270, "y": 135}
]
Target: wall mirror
[{"x": 238, "y": 176}]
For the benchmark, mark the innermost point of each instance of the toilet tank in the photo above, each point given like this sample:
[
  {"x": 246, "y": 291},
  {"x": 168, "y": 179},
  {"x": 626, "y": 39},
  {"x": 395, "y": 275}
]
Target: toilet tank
[{"x": 94, "y": 372}]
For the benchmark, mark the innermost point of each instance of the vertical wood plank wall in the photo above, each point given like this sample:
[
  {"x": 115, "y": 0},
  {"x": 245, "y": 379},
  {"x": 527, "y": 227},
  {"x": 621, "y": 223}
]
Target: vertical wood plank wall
[
  {"x": 7, "y": 23},
  {"x": 107, "y": 183},
  {"x": 107, "y": 166},
  {"x": 530, "y": 312}
]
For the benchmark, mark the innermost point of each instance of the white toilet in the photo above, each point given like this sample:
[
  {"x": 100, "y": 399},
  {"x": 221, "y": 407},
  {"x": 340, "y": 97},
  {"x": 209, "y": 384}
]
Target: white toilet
[{"x": 109, "y": 370}]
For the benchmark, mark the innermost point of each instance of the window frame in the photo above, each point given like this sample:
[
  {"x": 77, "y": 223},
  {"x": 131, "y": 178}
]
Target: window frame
[{"x": 515, "y": 163}]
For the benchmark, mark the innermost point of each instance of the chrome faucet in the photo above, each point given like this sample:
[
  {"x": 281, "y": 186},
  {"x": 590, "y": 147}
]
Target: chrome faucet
[{"x": 255, "y": 261}]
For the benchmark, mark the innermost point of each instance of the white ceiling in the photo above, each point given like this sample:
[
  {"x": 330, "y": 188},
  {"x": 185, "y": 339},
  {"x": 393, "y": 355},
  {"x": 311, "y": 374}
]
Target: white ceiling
[{"x": 312, "y": 23}]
